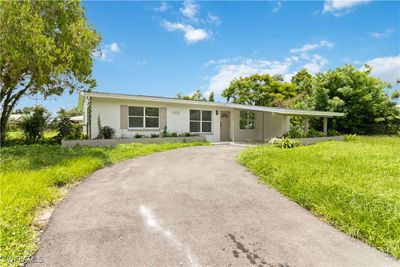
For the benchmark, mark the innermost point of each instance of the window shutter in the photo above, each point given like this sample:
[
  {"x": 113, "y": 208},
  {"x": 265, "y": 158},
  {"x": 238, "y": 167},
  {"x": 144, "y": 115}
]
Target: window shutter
[
  {"x": 124, "y": 117},
  {"x": 163, "y": 118}
]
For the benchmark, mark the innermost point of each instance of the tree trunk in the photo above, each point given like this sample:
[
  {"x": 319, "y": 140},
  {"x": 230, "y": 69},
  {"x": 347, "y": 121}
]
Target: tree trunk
[
  {"x": 9, "y": 103},
  {"x": 5, "y": 115}
]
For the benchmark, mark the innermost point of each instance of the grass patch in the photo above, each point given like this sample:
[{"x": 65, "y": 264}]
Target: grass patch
[
  {"x": 17, "y": 137},
  {"x": 31, "y": 177},
  {"x": 353, "y": 185}
]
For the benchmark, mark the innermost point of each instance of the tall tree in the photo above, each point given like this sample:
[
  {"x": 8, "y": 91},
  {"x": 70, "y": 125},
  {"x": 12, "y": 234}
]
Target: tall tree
[
  {"x": 196, "y": 95},
  {"x": 68, "y": 112},
  {"x": 303, "y": 82},
  {"x": 362, "y": 98},
  {"x": 261, "y": 90},
  {"x": 211, "y": 97},
  {"x": 46, "y": 47}
]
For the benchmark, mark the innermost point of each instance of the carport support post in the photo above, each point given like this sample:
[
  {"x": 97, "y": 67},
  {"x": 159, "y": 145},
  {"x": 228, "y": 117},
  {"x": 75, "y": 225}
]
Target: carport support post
[
  {"x": 325, "y": 126},
  {"x": 305, "y": 125}
]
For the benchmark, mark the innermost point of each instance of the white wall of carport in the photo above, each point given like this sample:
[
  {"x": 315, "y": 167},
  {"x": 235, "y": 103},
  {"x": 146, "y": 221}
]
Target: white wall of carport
[
  {"x": 275, "y": 125},
  {"x": 177, "y": 117}
]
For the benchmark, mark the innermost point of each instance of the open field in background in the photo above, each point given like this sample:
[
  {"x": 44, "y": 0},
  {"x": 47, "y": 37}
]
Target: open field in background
[
  {"x": 352, "y": 185},
  {"x": 31, "y": 178}
]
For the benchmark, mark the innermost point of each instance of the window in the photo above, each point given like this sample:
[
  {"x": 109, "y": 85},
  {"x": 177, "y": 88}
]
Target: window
[
  {"x": 200, "y": 121},
  {"x": 143, "y": 117},
  {"x": 247, "y": 120}
]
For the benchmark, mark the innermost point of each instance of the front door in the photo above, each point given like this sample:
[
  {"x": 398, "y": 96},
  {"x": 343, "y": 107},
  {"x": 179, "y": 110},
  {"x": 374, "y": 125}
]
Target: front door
[{"x": 225, "y": 126}]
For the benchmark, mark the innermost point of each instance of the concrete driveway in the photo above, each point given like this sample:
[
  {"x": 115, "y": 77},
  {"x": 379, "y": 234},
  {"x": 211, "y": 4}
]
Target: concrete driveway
[{"x": 193, "y": 207}]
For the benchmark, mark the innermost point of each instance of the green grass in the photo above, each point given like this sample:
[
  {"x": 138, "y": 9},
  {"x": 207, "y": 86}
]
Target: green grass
[
  {"x": 16, "y": 137},
  {"x": 31, "y": 178},
  {"x": 353, "y": 185}
]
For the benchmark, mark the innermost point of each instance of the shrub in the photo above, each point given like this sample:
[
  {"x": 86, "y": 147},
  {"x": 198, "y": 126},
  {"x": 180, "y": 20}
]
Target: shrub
[
  {"x": 286, "y": 142},
  {"x": 314, "y": 133},
  {"x": 350, "y": 137},
  {"x": 333, "y": 133},
  {"x": 165, "y": 132},
  {"x": 296, "y": 132},
  {"x": 34, "y": 125},
  {"x": 107, "y": 132},
  {"x": 173, "y": 134},
  {"x": 154, "y": 135},
  {"x": 185, "y": 134},
  {"x": 139, "y": 135},
  {"x": 66, "y": 129}
]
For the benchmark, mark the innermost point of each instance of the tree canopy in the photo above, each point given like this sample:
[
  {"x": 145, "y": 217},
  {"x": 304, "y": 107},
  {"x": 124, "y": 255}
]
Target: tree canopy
[
  {"x": 197, "y": 95},
  {"x": 260, "y": 90},
  {"x": 46, "y": 47},
  {"x": 363, "y": 98}
]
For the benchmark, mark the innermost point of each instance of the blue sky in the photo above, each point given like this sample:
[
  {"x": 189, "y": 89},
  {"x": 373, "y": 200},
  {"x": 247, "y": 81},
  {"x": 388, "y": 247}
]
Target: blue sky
[{"x": 161, "y": 48}]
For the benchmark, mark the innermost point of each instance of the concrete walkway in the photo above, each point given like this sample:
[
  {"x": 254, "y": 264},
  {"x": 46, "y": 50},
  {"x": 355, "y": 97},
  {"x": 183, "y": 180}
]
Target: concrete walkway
[{"x": 193, "y": 207}]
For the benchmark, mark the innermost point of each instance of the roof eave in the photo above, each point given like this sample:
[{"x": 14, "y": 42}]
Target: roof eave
[{"x": 292, "y": 112}]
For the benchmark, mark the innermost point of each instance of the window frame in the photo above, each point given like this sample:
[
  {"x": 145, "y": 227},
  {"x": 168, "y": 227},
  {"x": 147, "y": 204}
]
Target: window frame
[
  {"x": 144, "y": 118},
  {"x": 248, "y": 120},
  {"x": 201, "y": 121}
]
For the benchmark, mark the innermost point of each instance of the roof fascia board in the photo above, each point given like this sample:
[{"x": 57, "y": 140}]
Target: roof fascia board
[{"x": 310, "y": 113}]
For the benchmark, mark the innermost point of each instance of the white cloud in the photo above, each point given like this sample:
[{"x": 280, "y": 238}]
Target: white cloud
[
  {"x": 313, "y": 46},
  {"x": 192, "y": 35},
  {"x": 240, "y": 67},
  {"x": 107, "y": 52},
  {"x": 164, "y": 6},
  {"x": 228, "y": 69},
  {"x": 381, "y": 35},
  {"x": 341, "y": 7},
  {"x": 277, "y": 7},
  {"x": 114, "y": 47},
  {"x": 213, "y": 19},
  {"x": 190, "y": 9},
  {"x": 316, "y": 64},
  {"x": 386, "y": 68},
  {"x": 189, "y": 22}
]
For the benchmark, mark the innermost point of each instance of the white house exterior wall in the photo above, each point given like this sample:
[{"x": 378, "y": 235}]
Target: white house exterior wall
[
  {"x": 246, "y": 134},
  {"x": 276, "y": 125},
  {"x": 177, "y": 117}
]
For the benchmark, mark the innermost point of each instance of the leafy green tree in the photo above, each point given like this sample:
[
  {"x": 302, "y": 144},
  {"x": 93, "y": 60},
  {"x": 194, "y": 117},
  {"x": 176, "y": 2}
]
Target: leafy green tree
[
  {"x": 197, "y": 96},
  {"x": 278, "y": 77},
  {"x": 395, "y": 95},
  {"x": 33, "y": 125},
  {"x": 261, "y": 90},
  {"x": 46, "y": 47},
  {"x": 24, "y": 110},
  {"x": 211, "y": 97},
  {"x": 303, "y": 81},
  {"x": 363, "y": 98},
  {"x": 69, "y": 112}
]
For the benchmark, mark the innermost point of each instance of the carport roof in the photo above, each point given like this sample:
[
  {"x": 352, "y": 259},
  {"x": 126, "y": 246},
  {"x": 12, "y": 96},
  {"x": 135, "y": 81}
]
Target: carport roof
[{"x": 283, "y": 111}]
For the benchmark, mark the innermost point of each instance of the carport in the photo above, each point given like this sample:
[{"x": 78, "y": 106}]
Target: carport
[{"x": 260, "y": 124}]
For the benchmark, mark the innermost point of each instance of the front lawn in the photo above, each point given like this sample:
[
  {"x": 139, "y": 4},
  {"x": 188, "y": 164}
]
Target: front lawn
[
  {"x": 352, "y": 185},
  {"x": 31, "y": 177}
]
